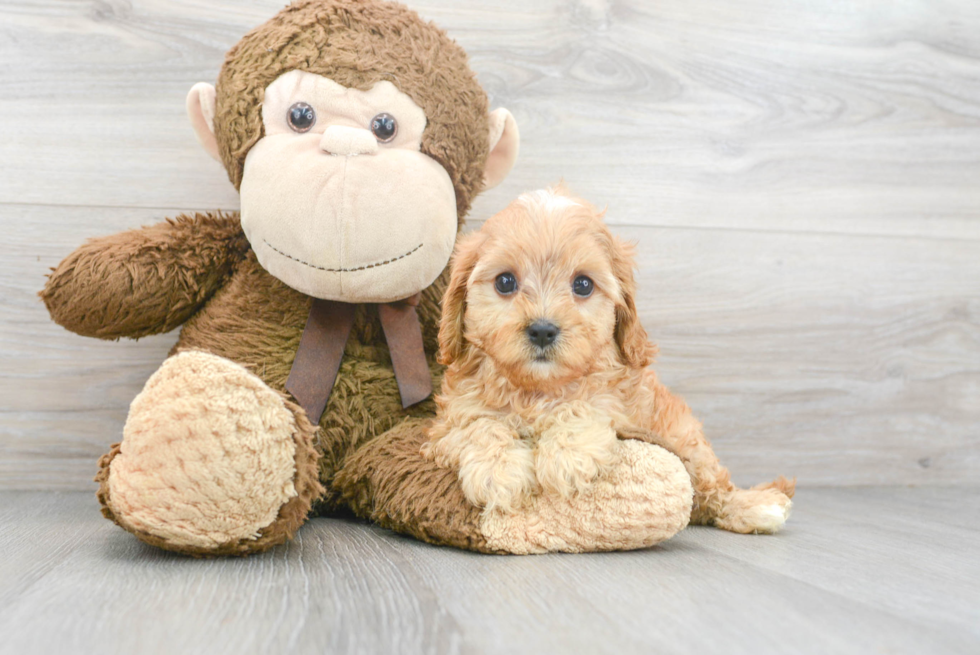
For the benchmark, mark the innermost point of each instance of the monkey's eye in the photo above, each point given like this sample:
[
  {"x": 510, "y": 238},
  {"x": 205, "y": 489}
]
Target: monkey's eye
[
  {"x": 301, "y": 117},
  {"x": 384, "y": 127},
  {"x": 505, "y": 284},
  {"x": 583, "y": 286}
]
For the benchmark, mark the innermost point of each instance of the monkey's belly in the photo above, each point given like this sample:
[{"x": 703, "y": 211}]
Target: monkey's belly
[{"x": 257, "y": 321}]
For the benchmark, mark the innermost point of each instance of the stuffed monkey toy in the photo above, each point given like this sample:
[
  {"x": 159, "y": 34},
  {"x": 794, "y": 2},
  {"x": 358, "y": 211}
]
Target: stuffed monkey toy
[{"x": 358, "y": 137}]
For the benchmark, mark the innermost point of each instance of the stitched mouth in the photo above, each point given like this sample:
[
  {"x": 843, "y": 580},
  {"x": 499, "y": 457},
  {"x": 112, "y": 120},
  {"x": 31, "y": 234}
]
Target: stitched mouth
[{"x": 345, "y": 270}]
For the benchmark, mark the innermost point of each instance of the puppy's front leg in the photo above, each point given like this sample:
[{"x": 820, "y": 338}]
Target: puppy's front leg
[
  {"x": 496, "y": 467},
  {"x": 763, "y": 508},
  {"x": 576, "y": 444}
]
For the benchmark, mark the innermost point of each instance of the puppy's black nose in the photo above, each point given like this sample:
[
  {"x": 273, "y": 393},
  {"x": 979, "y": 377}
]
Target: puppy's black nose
[{"x": 542, "y": 333}]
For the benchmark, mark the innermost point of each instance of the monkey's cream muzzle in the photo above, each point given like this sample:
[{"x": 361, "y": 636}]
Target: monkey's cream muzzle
[
  {"x": 333, "y": 212},
  {"x": 343, "y": 141}
]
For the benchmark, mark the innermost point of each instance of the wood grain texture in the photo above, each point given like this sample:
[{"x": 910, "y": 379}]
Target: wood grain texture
[
  {"x": 803, "y": 180},
  {"x": 856, "y": 571},
  {"x": 802, "y": 354},
  {"x": 755, "y": 115}
]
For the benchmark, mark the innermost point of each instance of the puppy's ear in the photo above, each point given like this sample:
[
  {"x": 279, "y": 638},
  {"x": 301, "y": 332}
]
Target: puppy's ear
[
  {"x": 632, "y": 339},
  {"x": 454, "y": 301}
]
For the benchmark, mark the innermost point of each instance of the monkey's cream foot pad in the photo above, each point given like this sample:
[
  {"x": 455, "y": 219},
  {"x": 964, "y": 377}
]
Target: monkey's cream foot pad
[
  {"x": 207, "y": 456},
  {"x": 644, "y": 500}
]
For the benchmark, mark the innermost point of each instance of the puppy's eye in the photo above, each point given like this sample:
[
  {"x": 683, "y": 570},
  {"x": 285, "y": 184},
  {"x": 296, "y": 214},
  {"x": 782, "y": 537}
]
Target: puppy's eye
[
  {"x": 301, "y": 117},
  {"x": 505, "y": 284},
  {"x": 583, "y": 286},
  {"x": 384, "y": 127}
]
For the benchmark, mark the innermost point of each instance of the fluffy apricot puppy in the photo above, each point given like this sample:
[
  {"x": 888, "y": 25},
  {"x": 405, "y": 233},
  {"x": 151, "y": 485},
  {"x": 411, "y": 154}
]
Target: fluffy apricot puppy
[{"x": 548, "y": 361}]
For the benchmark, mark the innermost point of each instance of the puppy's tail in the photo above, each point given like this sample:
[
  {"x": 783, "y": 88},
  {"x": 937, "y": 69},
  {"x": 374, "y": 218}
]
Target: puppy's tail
[{"x": 788, "y": 487}]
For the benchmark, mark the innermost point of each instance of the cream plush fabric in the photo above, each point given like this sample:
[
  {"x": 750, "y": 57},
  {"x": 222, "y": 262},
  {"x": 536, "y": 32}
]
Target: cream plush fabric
[
  {"x": 304, "y": 209},
  {"x": 645, "y": 500},
  {"x": 207, "y": 455}
]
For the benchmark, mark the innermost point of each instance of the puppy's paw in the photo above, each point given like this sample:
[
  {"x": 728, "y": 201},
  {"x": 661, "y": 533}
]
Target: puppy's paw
[
  {"x": 498, "y": 478},
  {"x": 754, "y": 511},
  {"x": 575, "y": 446},
  {"x": 442, "y": 451}
]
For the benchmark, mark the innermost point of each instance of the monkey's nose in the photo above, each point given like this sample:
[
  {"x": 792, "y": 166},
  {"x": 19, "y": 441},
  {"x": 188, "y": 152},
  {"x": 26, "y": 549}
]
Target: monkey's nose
[
  {"x": 348, "y": 141},
  {"x": 542, "y": 333}
]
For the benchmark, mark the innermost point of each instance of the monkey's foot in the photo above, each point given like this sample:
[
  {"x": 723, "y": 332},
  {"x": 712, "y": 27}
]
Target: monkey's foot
[
  {"x": 645, "y": 498},
  {"x": 212, "y": 461}
]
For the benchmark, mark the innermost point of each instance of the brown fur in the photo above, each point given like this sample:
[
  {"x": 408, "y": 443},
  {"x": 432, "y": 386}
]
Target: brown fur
[
  {"x": 200, "y": 272},
  {"x": 553, "y": 419},
  {"x": 387, "y": 482},
  {"x": 144, "y": 281},
  {"x": 357, "y": 44}
]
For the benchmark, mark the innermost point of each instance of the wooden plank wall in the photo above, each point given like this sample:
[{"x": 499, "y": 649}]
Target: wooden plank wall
[{"x": 803, "y": 180}]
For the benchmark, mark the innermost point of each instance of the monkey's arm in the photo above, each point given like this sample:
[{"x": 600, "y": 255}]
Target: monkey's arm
[{"x": 144, "y": 281}]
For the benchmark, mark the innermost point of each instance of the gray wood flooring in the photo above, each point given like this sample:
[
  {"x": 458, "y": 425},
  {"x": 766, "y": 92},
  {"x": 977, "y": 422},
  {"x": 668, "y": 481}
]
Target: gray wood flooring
[{"x": 859, "y": 570}]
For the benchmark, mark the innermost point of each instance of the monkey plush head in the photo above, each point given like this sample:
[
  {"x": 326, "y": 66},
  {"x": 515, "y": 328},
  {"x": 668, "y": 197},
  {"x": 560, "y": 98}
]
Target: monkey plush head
[{"x": 358, "y": 138}]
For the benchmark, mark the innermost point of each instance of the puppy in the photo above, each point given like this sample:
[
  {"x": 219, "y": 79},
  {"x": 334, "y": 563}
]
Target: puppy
[{"x": 547, "y": 362}]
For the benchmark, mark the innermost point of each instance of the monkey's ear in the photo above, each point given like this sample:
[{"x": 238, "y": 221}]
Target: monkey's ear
[
  {"x": 454, "y": 301},
  {"x": 200, "y": 109},
  {"x": 505, "y": 142}
]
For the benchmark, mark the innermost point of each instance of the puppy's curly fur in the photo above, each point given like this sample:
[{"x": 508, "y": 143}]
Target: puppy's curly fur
[{"x": 520, "y": 414}]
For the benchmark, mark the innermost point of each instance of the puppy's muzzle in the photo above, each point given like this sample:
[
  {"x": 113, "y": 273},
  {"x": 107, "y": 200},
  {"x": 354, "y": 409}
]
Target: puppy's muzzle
[{"x": 542, "y": 333}]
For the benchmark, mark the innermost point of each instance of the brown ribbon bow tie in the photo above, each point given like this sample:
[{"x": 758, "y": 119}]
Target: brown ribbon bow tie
[{"x": 321, "y": 349}]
